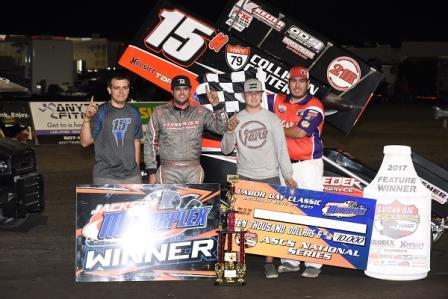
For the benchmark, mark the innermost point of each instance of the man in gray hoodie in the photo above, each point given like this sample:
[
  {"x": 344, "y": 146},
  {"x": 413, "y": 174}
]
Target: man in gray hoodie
[{"x": 262, "y": 150}]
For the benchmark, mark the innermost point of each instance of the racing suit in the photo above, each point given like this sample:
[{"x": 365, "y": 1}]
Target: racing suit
[
  {"x": 306, "y": 152},
  {"x": 175, "y": 135}
]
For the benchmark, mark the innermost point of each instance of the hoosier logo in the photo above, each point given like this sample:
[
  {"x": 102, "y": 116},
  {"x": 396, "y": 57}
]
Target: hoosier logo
[{"x": 236, "y": 56}]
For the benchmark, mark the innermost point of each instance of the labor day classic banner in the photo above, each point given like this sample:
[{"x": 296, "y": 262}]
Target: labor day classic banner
[
  {"x": 304, "y": 225},
  {"x": 146, "y": 232}
]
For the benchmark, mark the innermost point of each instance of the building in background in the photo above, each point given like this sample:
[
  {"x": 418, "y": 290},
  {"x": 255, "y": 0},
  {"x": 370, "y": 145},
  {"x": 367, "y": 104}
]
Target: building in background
[{"x": 52, "y": 65}]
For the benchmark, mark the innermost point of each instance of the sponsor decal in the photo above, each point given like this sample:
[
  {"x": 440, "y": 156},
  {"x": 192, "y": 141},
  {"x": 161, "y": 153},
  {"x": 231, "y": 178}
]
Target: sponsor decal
[
  {"x": 343, "y": 185},
  {"x": 281, "y": 108},
  {"x": 396, "y": 220},
  {"x": 304, "y": 38},
  {"x": 345, "y": 209},
  {"x": 437, "y": 194},
  {"x": 312, "y": 113},
  {"x": 248, "y": 9},
  {"x": 297, "y": 49},
  {"x": 343, "y": 72},
  {"x": 181, "y": 125},
  {"x": 218, "y": 42},
  {"x": 268, "y": 19},
  {"x": 64, "y": 110},
  {"x": 250, "y": 239},
  {"x": 305, "y": 124},
  {"x": 239, "y": 19},
  {"x": 286, "y": 124},
  {"x": 237, "y": 56},
  {"x": 146, "y": 67}
]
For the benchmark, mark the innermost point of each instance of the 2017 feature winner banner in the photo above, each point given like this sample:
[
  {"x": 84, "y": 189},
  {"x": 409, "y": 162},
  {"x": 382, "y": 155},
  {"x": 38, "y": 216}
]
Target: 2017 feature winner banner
[
  {"x": 305, "y": 225},
  {"x": 146, "y": 232}
]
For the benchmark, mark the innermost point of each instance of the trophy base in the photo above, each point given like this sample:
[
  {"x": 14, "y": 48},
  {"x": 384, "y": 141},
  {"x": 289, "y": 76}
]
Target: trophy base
[{"x": 230, "y": 275}]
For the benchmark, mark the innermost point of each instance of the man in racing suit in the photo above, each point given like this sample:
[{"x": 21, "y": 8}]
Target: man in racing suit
[
  {"x": 302, "y": 117},
  {"x": 174, "y": 133}
]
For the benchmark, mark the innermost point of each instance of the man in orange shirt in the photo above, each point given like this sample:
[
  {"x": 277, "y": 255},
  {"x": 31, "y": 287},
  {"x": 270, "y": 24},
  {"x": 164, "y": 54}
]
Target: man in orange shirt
[{"x": 302, "y": 117}]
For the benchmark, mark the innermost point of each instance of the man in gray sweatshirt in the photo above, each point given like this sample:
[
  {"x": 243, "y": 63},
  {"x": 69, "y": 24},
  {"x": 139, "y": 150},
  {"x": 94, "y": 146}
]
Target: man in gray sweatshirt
[{"x": 262, "y": 150}]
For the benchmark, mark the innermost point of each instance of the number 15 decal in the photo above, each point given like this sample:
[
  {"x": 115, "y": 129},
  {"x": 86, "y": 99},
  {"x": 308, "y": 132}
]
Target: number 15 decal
[{"x": 181, "y": 38}]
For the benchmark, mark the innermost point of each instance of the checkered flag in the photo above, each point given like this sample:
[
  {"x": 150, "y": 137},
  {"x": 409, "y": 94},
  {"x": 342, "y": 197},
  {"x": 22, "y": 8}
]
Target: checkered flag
[{"x": 229, "y": 87}]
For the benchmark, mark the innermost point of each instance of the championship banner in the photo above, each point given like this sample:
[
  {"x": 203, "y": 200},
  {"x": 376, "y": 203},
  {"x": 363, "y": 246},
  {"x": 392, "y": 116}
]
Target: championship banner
[
  {"x": 60, "y": 122},
  {"x": 304, "y": 225},
  {"x": 146, "y": 232},
  {"x": 172, "y": 42}
]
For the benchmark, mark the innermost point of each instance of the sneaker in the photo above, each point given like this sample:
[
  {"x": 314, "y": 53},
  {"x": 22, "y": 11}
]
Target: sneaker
[
  {"x": 270, "y": 271},
  {"x": 288, "y": 267},
  {"x": 311, "y": 272}
]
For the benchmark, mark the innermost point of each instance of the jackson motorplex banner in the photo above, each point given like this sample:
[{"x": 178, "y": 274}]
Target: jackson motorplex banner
[
  {"x": 146, "y": 232},
  {"x": 305, "y": 225},
  {"x": 249, "y": 35}
]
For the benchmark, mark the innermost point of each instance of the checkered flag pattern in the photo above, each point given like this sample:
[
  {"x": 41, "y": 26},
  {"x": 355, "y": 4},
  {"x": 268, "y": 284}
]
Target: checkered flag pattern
[{"x": 229, "y": 87}]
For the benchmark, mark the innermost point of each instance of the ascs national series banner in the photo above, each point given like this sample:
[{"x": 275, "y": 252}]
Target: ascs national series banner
[
  {"x": 146, "y": 232},
  {"x": 299, "y": 224}
]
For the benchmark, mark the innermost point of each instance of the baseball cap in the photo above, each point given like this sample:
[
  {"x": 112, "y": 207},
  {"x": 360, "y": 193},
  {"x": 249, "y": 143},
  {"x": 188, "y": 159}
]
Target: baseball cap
[
  {"x": 299, "y": 72},
  {"x": 180, "y": 81},
  {"x": 252, "y": 85}
]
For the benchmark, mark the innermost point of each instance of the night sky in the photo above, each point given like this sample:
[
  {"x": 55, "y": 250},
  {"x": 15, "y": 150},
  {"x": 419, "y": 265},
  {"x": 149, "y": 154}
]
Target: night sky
[{"x": 374, "y": 21}]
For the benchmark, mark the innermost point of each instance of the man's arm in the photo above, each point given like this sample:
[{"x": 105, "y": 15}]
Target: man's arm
[
  {"x": 228, "y": 141},
  {"x": 282, "y": 152},
  {"x": 310, "y": 120},
  {"x": 294, "y": 133},
  {"x": 150, "y": 147},
  {"x": 85, "y": 135},
  {"x": 138, "y": 135},
  {"x": 137, "y": 151},
  {"x": 215, "y": 121}
]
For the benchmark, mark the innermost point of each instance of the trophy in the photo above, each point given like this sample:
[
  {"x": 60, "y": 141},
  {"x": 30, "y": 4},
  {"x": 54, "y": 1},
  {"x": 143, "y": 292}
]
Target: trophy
[{"x": 231, "y": 266}]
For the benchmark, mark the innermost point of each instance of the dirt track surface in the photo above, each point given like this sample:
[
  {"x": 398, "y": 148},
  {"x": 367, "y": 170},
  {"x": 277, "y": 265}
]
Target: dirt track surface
[{"x": 37, "y": 260}]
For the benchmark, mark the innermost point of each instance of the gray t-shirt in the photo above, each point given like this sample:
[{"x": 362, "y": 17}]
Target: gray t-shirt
[
  {"x": 114, "y": 131},
  {"x": 261, "y": 143}
]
